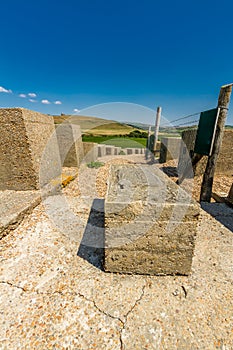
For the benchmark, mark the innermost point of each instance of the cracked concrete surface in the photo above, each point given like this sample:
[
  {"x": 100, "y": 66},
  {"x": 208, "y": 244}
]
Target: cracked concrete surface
[{"x": 52, "y": 298}]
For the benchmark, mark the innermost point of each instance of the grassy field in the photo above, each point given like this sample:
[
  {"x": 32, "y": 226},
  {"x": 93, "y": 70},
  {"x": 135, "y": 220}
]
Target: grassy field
[{"x": 123, "y": 142}]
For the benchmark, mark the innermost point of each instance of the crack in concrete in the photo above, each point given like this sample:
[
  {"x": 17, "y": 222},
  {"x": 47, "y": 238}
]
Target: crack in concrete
[
  {"x": 13, "y": 285},
  {"x": 106, "y": 314},
  {"x": 122, "y": 321},
  {"x": 128, "y": 313},
  {"x": 100, "y": 310},
  {"x": 137, "y": 300}
]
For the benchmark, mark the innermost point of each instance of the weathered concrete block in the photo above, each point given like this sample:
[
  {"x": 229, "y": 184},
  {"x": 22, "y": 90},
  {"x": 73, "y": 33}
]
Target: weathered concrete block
[
  {"x": 117, "y": 151},
  {"x": 224, "y": 162},
  {"x": 90, "y": 151},
  {"x": 110, "y": 150},
  {"x": 150, "y": 223},
  {"x": 129, "y": 151},
  {"x": 78, "y": 142},
  {"x": 70, "y": 144},
  {"x": 107, "y": 150},
  {"x": 101, "y": 150},
  {"x": 26, "y": 138},
  {"x": 225, "y": 158},
  {"x": 138, "y": 150},
  {"x": 170, "y": 149}
]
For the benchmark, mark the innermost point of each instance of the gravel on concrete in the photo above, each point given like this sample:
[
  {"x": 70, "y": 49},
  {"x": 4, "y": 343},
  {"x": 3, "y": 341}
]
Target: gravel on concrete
[{"x": 15, "y": 205}]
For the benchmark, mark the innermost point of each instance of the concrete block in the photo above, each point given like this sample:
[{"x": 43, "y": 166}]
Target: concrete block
[
  {"x": 139, "y": 151},
  {"x": 129, "y": 151},
  {"x": 27, "y": 140},
  {"x": 170, "y": 149},
  {"x": 90, "y": 152},
  {"x": 225, "y": 159},
  {"x": 110, "y": 150},
  {"x": 78, "y": 142},
  {"x": 70, "y": 144},
  {"x": 150, "y": 223},
  {"x": 101, "y": 150},
  {"x": 224, "y": 162},
  {"x": 117, "y": 151}
]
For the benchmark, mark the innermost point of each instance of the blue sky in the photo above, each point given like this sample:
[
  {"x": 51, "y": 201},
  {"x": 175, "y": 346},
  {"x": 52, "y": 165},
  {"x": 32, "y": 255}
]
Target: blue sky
[{"x": 74, "y": 54}]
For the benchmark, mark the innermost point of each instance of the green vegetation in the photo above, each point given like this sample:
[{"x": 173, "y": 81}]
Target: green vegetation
[
  {"x": 117, "y": 141},
  {"x": 95, "y": 165},
  {"x": 138, "y": 134},
  {"x": 161, "y": 135},
  {"x": 126, "y": 142},
  {"x": 134, "y": 139}
]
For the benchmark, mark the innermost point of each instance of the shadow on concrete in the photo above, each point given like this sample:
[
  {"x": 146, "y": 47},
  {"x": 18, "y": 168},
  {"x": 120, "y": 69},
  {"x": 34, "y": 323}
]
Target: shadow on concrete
[
  {"x": 170, "y": 171},
  {"x": 221, "y": 212},
  {"x": 92, "y": 245}
]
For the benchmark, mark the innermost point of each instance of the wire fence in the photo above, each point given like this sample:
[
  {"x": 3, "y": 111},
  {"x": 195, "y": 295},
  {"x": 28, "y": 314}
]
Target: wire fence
[{"x": 188, "y": 120}]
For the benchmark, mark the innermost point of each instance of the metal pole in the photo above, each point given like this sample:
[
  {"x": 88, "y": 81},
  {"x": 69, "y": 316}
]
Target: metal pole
[{"x": 157, "y": 124}]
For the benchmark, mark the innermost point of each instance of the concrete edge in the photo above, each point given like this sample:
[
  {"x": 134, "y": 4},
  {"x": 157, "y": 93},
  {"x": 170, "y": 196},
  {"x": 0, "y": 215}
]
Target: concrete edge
[{"x": 49, "y": 190}]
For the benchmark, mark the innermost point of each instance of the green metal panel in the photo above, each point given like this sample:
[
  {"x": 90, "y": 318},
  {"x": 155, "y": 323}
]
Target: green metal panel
[{"x": 206, "y": 132}]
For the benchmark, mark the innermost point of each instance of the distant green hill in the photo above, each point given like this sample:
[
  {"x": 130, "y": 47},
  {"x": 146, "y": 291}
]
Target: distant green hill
[
  {"x": 96, "y": 126},
  {"x": 140, "y": 126}
]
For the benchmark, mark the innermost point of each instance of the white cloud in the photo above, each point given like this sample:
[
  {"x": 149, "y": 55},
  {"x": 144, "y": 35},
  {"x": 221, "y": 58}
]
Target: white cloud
[
  {"x": 22, "y": 95},
  {"x": 45, "y": 102},
  {"x": 32, "y": 94},
  {"x": 31, "y": 100},
  {"x": 76, "y": 110},
  {"x": 2, "y": 89},
  {"x": 57, "y": 103}
]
